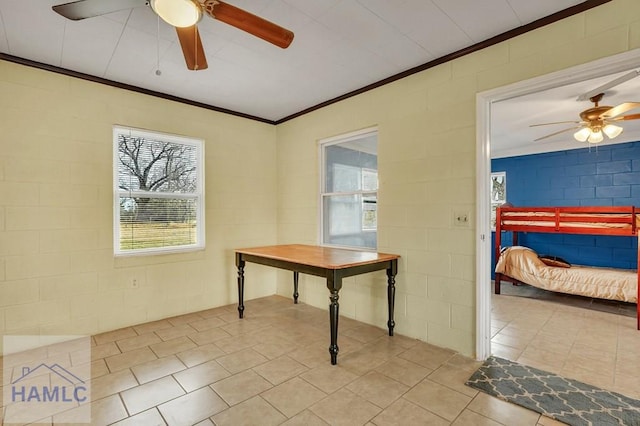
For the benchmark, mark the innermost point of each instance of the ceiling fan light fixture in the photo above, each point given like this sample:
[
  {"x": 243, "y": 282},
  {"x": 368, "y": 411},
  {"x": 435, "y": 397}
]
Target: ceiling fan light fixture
[
  {"x": 582, "y": 135},
  {"x": 612, "y": 131},
  {"x": 595, "y": 137},
  {"x": 179, "y": 13}
]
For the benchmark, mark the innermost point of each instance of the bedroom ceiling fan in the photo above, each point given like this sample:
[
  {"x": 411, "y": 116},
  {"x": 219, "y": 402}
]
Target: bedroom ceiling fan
[
  {"x": 599, "y": 120},
  {"x": 184, "y": 16}
]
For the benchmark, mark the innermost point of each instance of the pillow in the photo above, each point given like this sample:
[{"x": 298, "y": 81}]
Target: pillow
[{"x": 554, "y": 261}]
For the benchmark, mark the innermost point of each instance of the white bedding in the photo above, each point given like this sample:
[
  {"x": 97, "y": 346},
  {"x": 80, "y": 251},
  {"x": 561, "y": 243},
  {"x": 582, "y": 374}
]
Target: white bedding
[{"x": 523, "y": 264}]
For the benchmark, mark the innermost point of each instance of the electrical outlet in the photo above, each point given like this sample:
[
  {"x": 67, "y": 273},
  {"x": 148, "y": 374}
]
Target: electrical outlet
[
  {"x": 461, "y": 218},
  {"x": 134, "y": 283}
]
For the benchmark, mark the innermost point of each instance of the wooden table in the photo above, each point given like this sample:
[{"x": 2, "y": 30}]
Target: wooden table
[{"x": 331, "y": 263}]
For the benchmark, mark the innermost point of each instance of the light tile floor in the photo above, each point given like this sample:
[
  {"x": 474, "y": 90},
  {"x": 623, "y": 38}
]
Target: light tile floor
[
  {"x": 273, "y": 368},
  {"x": 594, "y": 347}
]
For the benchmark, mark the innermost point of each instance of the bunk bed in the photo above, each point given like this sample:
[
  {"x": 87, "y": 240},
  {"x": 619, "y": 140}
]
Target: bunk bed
[{"x": 517, "y": 264}]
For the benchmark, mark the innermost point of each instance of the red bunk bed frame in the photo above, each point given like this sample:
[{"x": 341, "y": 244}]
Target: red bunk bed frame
[{"x": 622, "y": 221}]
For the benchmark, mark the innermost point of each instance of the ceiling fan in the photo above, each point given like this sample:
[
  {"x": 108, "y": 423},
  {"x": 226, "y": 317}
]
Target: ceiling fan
[
  {"x": 184, "y": 16},
  {"x": 598, "y": 120}
]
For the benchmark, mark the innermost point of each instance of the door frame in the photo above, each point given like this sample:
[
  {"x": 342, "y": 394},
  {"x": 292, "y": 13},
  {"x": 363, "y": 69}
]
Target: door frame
[{"x": 610, "y": 65}]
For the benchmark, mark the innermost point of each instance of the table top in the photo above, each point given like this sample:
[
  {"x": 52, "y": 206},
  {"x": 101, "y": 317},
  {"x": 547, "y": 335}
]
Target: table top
[{"x": 318, "y": 256}]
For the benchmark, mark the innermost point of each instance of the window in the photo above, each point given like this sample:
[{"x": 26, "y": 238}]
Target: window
[
  {"x": 498, "y": 194},
  {"x": 158, "y": 192},
  {"x": 349, "y": 192}
]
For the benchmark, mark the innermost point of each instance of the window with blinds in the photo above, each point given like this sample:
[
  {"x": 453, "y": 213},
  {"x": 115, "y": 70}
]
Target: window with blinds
[
  {"x": 349, "y": 194},
  {"x": 158, "y": 192}
]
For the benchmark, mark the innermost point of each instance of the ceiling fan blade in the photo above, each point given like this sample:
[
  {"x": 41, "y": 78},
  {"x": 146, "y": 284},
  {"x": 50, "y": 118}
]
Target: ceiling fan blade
[
  {"x": 192, "y": 47},
  {"x": 555, "y": 122},
  {"x": 250, "y": 23},
  {"x": 619, "y": 109},
  {"x": 83, "y": 9},
  {"x": 613, "y": 83},
  {"x": 625, "y": 117},
  {"x": 557, "y": 133}
]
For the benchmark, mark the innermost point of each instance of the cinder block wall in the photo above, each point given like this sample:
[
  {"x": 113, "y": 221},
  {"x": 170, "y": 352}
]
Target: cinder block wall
[
  {"x": 608, "y": 175},
  {"x": 58, "y": 274},
  {"x": 426, "y": 161}
]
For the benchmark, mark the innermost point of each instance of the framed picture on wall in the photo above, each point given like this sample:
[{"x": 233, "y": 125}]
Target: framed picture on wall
[{"x": 498, "y": 194}]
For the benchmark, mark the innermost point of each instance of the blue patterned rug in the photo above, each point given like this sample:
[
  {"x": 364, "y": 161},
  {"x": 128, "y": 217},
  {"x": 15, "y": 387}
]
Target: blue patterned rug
[{"x": 565, "y": 400}]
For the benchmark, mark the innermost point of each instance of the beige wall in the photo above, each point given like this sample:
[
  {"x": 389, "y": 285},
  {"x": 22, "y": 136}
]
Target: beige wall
[
  {"x": 58, "y": 274},
  {"x": 427, "y": 158},
  {"x": 57, "y": 270}
]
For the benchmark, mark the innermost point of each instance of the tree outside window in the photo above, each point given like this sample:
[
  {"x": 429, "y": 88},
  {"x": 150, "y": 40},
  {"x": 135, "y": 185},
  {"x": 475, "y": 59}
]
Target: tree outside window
[
  {"x": 498, "y": 194},
  {"x": 158, "y": 186}
]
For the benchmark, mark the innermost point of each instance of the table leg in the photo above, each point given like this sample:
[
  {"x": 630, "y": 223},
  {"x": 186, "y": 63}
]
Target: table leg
[
  {"x": 295, "y": 286},
  {"x": 333, "y": 319},
  {"x": 240, "y": 264},
  {"x": 391, "y": 293}
]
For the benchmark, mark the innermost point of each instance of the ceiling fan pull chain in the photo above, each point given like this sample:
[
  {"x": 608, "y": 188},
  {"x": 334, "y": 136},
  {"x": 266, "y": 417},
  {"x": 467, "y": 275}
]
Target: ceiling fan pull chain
[{"x": 158, "y": 72}]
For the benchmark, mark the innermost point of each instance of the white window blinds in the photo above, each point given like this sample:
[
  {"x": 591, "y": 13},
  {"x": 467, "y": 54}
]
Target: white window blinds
[{"x": 159, "y": 196}]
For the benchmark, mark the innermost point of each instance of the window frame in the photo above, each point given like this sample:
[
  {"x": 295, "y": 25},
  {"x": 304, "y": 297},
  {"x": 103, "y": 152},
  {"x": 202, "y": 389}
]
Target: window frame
[
  {"x": 198, "y": 195},
  {"x": 337, "y": 140}
]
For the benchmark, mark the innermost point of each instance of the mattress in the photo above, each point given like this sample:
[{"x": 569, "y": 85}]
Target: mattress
[{"x": 523, "y": 264}]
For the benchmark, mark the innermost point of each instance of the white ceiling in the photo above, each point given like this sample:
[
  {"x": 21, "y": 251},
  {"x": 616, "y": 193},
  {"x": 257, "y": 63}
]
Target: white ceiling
[{"x": 340, "y": 46}]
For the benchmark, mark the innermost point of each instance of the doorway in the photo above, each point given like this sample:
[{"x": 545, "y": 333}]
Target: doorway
[{"x": 484, "y": 103}]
